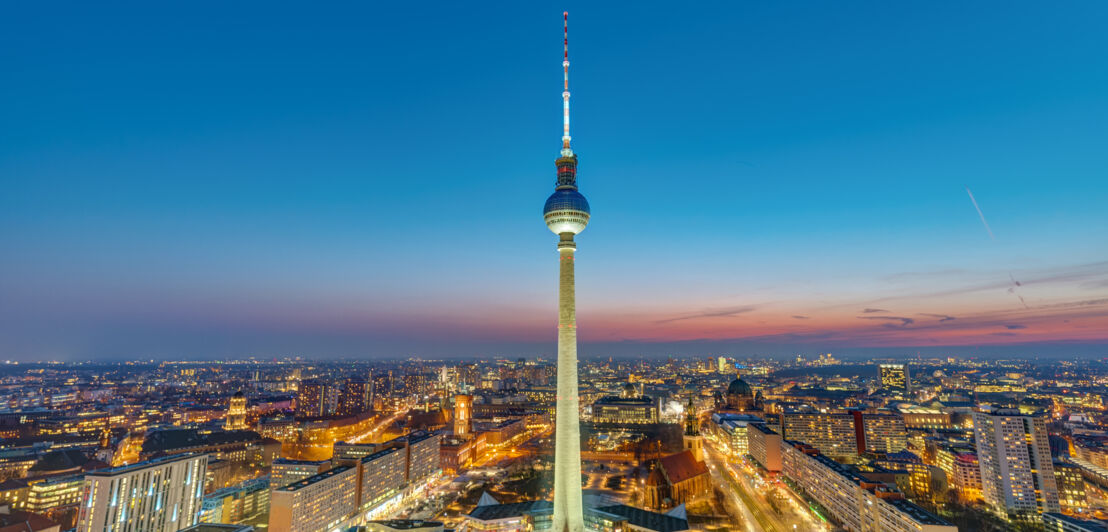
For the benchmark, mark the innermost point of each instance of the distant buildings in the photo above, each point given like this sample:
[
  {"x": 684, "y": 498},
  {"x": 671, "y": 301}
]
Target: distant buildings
[
  {"x": 1017, "y": 473},
  {"x": 357, "y": 397},
  {"x": 236, "y": 413},
  {"x": 312, "y": 400},
  {"x": 463, "y": 414},
  {"x": 740, "y": 396},
  {"x": 625, "y": 410},
  {"x": 160, "y": 495},
  {"x": 895, "y": 377}
]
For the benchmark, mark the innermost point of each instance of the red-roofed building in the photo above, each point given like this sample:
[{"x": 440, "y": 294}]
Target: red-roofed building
[
  {"x": 676, "y": 479},
  {"x": 19, "y": 521}
]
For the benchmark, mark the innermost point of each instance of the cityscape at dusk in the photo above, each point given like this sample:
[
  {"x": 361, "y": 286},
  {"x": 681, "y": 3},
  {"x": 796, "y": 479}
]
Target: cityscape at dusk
[{"x": 805, "y": 267}]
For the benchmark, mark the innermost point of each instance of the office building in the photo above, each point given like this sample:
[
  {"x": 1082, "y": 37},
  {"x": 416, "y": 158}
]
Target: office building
[
  {"x": 318, "y": 503},
  {"x": 923, "y": 418},
  {"x": 159, "y": 495},
  {"x": 730, "y": 430},
  {"x": 1017, "y": 473},
  {"x": 764, "y": 446},
  {"x": 895, "y": 377},
  {"x": 625, "y": 410},
  {"x": 854, "y": 501}
]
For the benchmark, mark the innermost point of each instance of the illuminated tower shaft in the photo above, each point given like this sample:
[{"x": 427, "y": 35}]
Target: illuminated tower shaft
[
  {"x": 568, "y": 510},
  {"x": 567, "y": 213}
]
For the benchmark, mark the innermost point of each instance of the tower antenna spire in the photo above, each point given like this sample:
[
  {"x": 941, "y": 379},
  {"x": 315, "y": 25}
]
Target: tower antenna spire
[{"x": 566, "y": 151}]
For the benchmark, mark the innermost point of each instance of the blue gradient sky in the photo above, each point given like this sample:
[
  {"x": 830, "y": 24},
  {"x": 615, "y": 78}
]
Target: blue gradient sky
[{"x": 213, "y": 180}]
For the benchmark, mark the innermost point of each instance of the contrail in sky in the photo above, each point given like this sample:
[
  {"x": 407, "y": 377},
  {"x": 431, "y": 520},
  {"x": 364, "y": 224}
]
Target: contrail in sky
[{"x": 981, "y": 214}]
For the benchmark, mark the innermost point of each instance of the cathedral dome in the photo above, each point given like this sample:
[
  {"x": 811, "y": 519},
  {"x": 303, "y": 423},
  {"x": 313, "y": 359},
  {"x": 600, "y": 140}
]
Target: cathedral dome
[{"x": 740, "y": 387}]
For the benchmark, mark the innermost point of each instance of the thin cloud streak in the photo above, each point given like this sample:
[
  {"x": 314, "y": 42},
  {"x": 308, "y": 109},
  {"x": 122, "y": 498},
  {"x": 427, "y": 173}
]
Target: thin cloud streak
[{"x": 981, "y": 214}]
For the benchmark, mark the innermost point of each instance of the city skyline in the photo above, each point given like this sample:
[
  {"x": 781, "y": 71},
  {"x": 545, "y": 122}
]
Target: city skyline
[{"x": 270, "y": 183}]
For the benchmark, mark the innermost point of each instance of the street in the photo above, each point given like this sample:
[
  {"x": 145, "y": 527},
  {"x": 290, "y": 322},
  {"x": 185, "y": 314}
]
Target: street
[{"x": 757, "y": 513}]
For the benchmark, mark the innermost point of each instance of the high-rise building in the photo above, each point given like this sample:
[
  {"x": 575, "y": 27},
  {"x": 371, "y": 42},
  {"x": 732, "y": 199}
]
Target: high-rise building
[
  {"x": 879, "y": 433},
  {"x": 312, "y": 399},
  {"x": 382, "y": 477},
  {"x": 764, "y": 445},
  {"x": 895, "y": 377},
  {"x": 236, "y": 413},
  {"x": 1017, "y": 473},
  {"x": 321, "y": 502},
  {"x": 566, "y": 213},
  {"x": 962, "y": 471},
  {"x": 832, "y": 433},
  {"x": 463, "y": 414},
  {"x": 357, "y": 397},
  {"x": 423, "y": 456},
  {"x": 159, "y": 495}
]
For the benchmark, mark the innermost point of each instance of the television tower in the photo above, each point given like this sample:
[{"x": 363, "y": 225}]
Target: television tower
[{"x": 567, "y": 213}]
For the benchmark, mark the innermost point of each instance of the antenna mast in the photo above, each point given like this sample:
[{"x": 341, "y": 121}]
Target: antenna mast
[{"x": 566, "y": 151}]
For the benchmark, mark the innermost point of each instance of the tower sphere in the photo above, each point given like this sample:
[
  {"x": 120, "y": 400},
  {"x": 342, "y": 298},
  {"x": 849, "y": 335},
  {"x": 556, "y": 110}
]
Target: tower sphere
[{"x": 566, "y": 211}]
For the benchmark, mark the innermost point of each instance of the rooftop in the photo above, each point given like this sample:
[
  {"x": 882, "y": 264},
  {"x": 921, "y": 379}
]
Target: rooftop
[
  {"x": 920, "y": 515},
  {"x": 314, "y": 479},
  {"x": 648, "y": 520},
  {"x": 494, "y": 512},
  {"x": 110, "y": 471}
]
